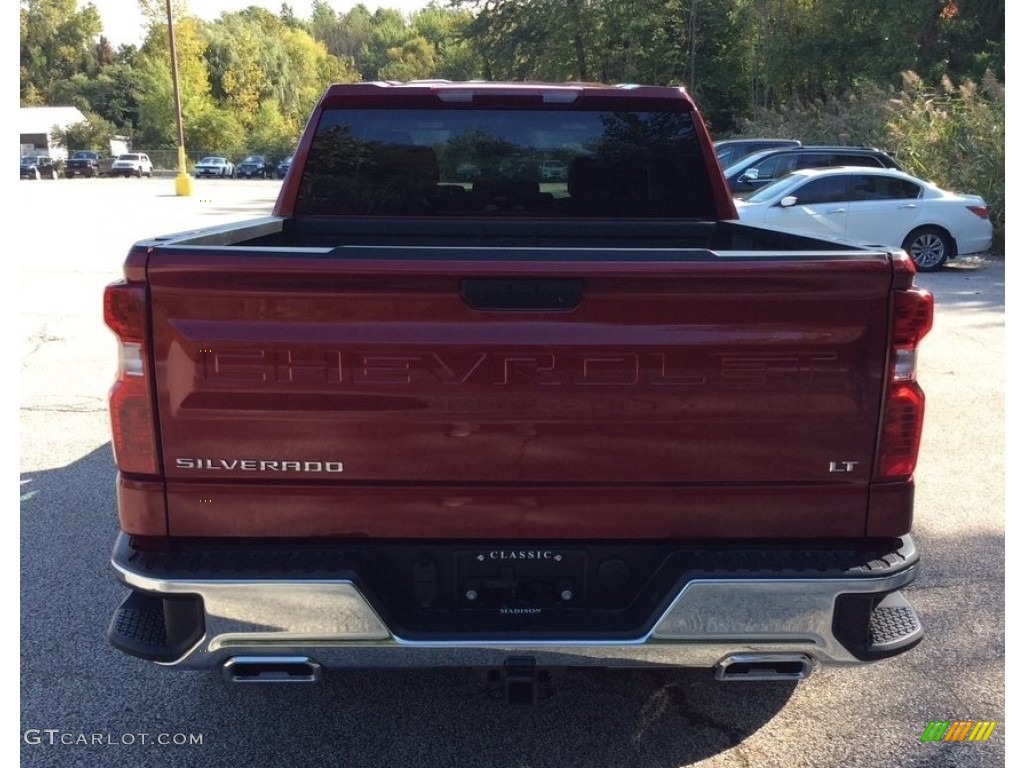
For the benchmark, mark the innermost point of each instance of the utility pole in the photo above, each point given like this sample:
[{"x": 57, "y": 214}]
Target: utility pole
[
  {"x": 182, "y": 182},
  {"x": 691, "y": 85}
]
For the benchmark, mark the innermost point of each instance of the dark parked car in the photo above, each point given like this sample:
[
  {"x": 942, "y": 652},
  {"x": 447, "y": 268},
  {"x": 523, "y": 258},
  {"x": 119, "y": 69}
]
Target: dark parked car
[
  {"x": 38, "y": 167},
  {"x": 87, "y": 163},
  {"x": 762, "y": 168},
  {"x": 730, "y": 151},
  {"x": 255, "y": 167},
  {"x": 283, "y": 166}
]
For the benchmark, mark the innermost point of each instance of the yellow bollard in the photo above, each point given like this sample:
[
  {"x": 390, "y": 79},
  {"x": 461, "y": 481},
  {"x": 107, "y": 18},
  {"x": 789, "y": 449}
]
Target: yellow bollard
[{"x": 182, "y": 182}]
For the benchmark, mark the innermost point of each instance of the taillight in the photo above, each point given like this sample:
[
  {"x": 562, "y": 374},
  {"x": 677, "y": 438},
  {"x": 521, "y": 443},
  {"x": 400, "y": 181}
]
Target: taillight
[
  {"x": 131, "y": 407},
  {"x": 903, "y": 412},
  {"x": 979, "y": 210}
]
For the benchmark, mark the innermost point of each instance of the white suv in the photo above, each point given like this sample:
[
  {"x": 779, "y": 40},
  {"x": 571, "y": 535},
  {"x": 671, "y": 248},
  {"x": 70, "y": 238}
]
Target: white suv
[
  {"x": 554, "y": 170},
  {"x": 132, "y": 164}
]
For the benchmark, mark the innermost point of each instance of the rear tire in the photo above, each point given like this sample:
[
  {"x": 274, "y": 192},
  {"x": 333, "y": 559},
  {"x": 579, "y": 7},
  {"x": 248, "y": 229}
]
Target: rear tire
[{"x": 929, "y": 248}]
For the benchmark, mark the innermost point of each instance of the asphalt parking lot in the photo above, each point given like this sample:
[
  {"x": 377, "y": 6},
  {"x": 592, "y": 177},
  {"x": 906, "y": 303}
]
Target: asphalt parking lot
[{"x": 73, "y": 686}]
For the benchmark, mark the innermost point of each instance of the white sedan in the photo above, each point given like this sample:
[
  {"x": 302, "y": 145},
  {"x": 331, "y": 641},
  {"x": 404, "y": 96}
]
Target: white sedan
[{"x": 874, "y": 206}]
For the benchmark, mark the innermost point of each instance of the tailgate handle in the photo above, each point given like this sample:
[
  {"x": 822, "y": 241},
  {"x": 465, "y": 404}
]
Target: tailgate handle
[{"x": 511, "y": 294}]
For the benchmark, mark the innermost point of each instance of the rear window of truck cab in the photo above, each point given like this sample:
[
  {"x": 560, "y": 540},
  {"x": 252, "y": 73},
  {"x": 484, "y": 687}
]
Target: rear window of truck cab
[{"x": 499, "y": 162}]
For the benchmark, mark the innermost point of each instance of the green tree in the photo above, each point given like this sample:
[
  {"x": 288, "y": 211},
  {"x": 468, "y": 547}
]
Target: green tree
[
  {"x": 237, "y": 63},
  {"x": 261, "y": 69},
  {"x": 155, "y": 97},
  {"x": 413, "y": 60},
  {"x": 734, "y": 56},
  {"x": 446, "y": 29},
  {"x": 93, "y": 133},
  {"x": 112, "y": 95},
  {"x": 324, "y": 25},
  {"x": 520, "y": 40},
  {"x": 31, "y": 97},
  {"x": 388, "y": 31},
  {"x": 307, "y": 71},
  {"x": 58, "y": 41},
  {"x": 273, "y": 134},
  {"x": 216, "y": 131},
  {"x": 105, "y": 53}
]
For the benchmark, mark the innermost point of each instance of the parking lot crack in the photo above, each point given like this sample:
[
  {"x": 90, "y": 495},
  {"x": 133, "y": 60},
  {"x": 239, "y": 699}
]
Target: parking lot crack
[
  {"x": 65, "y": 403},
  {"x": 37, "y": 342}
]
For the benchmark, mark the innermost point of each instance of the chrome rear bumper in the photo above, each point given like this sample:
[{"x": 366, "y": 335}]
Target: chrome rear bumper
[{"x": 333, "y": 624}]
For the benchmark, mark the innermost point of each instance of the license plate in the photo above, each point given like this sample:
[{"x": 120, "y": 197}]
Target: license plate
[{"x": 521, "y": 580}]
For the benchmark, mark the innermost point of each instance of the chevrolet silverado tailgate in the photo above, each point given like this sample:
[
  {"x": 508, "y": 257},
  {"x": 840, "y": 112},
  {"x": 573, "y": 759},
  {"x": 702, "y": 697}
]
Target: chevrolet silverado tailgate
[{"x": 428, "y": 392}]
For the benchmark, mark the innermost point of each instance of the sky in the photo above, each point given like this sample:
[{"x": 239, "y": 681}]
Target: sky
[{"x": 122, "y": 22}]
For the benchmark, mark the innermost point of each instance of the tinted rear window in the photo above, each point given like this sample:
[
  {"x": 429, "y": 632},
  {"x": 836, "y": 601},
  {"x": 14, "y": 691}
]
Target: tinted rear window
[
  {"x": 478, "y": 162},
  {"x": 829, "y": 189},
  {"x": 883, "y": 188}
]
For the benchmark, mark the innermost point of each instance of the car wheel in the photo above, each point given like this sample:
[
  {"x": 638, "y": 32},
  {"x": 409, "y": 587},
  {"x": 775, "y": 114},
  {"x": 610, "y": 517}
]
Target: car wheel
[
  {"x": 35, "y": 172},
  {"x": 138, "y": 173},
  {"x": 929, "y": 248}
]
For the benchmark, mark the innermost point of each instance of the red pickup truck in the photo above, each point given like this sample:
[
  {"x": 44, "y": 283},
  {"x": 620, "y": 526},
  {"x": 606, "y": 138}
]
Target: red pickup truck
[{"x": 512, "y": 421}]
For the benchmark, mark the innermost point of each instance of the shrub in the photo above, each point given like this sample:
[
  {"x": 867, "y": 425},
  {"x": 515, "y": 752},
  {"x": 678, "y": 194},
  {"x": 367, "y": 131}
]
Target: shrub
[{"x": 955, "y": 136}]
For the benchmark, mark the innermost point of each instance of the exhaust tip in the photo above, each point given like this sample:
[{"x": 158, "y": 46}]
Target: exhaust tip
[
  {"x": 271, "y": 669},
  {"x": 765, "y": 666}
]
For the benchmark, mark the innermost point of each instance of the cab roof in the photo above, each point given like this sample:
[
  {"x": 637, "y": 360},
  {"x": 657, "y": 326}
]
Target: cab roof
[{"x": 498, "y": 94}]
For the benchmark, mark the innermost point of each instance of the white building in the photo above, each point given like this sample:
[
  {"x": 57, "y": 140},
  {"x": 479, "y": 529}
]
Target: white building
[{"x": 36, "y": 124}]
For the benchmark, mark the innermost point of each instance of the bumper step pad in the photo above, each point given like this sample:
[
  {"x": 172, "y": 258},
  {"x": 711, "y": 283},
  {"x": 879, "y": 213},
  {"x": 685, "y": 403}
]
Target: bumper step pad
[
  {"x": 894, "y": 626},
  {"x": 873, "y": 627},
  {"x": 156, "y": 628}
]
